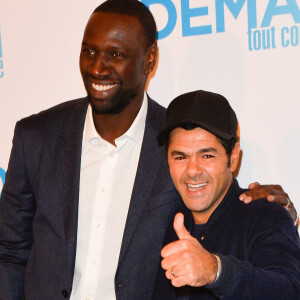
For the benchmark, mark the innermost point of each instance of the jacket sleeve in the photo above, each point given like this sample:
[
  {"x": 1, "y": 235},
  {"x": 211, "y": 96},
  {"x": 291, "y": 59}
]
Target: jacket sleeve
[
  {"x": 273, "y": 268},
  {"x": 17, "y": 209}
]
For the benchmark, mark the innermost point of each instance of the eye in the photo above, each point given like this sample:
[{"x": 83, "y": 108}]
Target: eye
[
  {"x": 91, "y": 52},
  {"x": 179, "y": 157},
  {"x": 118, "y": 54},
  {"x": 206, "y": 156},
  {"x": 88, "y": 51}
]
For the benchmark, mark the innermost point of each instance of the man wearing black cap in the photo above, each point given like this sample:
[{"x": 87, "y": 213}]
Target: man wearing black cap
[
  {"x": 218, "y": 247},
  {"x": 88, "y": 195}
]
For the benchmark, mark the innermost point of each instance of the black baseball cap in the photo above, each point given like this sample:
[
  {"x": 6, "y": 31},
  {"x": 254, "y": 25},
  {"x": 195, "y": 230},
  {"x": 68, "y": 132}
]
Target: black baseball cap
[{"x": 207, "y": 110}]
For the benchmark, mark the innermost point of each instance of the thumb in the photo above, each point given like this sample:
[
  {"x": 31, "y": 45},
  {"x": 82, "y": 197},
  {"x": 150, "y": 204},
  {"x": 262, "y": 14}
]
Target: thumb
[{"x": 179, "y": 227}]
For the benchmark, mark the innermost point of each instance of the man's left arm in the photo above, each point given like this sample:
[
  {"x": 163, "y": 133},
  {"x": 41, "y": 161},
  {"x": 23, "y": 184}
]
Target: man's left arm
[
  {"x": 273, "y": 193},
  {"x": 272, "y": 272}
]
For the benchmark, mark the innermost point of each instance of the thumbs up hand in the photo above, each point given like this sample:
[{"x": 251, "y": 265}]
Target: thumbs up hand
[{"x": 186, "y": 262}]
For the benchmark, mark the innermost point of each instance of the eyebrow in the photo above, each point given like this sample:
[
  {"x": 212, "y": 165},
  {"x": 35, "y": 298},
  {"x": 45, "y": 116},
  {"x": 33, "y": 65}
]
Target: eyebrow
[
  {"x": 85, "y": 44},
  {"x": 200, "y": 151},
  {"x": 175, "y": 152},
  {"x": 204, "y": 150}
]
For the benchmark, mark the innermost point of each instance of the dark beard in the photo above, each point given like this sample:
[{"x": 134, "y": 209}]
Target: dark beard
[{"x": 116, "y": 104}]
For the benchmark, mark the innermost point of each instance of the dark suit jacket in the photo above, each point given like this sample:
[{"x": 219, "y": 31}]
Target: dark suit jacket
[{"x": 39, "y": 208}]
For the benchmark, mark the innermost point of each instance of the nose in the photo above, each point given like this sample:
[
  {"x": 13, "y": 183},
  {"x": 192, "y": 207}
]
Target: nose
[
  {"x": 99, "y": 67},
  {"x": 193, "y": 167}
]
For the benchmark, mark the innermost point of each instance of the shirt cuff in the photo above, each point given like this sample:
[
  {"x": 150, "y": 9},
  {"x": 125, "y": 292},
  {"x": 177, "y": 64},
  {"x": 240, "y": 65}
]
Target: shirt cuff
[{"x": 227, "y": 279}]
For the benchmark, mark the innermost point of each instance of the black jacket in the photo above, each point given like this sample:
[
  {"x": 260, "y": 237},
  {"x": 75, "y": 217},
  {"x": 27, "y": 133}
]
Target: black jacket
[{"x": 259, "y": 248}]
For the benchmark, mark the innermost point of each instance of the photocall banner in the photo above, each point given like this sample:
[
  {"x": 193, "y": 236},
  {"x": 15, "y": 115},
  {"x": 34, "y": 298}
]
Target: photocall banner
[{"x": 246, "y": 50}]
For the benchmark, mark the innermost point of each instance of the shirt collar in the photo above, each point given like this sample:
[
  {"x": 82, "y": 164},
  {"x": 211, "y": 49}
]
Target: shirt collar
[{"x": 135, "y": 131}]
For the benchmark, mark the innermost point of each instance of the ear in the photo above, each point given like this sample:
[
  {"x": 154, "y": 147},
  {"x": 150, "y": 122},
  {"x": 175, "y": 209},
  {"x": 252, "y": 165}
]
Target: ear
[
  {"x": 234, "y": 158},
  {"x": 151, "y": 58}
]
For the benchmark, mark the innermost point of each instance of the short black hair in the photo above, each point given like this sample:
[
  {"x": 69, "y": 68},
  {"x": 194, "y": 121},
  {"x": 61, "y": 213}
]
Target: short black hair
[
  {"x": 135, "y": 9},
  {"x": 227, "y": 144}
]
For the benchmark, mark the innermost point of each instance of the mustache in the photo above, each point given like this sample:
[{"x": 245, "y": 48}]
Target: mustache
[
  {"x": 196, "y": 178},
  {"x": 101, "y": 77}
]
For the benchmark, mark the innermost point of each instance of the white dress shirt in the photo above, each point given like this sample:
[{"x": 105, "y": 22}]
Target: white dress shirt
[{"x": 106, "y": 182}]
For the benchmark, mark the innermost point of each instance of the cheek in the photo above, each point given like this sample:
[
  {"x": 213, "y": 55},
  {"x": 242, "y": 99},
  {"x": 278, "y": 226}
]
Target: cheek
[
  {"x": 132, "y": 68},
  {"x": 176, "y": 171},
  {"x": 83, "y": 65},
  {"x": 221, "y": 177},
  {"x": 126, "y": 72}
]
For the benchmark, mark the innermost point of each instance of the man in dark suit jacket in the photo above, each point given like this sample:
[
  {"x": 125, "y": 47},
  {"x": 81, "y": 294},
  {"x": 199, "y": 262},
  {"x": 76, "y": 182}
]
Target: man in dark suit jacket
[{"x": 40, "y": 198}]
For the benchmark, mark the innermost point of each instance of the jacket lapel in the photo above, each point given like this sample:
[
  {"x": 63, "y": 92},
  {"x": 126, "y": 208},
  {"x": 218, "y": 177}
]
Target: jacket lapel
[
  {"x": 150, "y": 161},
  {"x": 68, "y": 153}
]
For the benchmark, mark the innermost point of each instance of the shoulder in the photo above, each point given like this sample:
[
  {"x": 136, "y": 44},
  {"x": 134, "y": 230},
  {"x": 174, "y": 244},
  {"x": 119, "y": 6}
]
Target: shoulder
[
  {"x": 156, "y": 106},
  {"x": 257, "y": 217},
  {"x": 57, "y": 111},
  {"x": 264, "y": 217},
  {"x": 260, "y": 209},
  {"x": 266, "y": 209},
  {"x": 46, "y": 125},
  {"x": 55, "y": 116},
  {"x": 155, "y": 115}
]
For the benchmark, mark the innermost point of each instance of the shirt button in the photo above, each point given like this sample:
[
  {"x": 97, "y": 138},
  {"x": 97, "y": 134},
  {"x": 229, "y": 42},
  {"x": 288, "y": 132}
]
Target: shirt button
[
  {"x": 65, "y": 293},
  {"x": 202, "y": 238},
  {"x": 94, "y": 141}
]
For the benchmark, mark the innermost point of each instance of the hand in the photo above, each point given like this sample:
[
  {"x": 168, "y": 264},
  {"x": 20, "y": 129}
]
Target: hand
[
  {"x": 186, "y": 262},
  {"x": 273, "y": 193}
]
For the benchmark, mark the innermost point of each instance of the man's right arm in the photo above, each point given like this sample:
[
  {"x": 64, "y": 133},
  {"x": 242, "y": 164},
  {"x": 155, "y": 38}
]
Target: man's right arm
[{"x": 17, "y": 209}]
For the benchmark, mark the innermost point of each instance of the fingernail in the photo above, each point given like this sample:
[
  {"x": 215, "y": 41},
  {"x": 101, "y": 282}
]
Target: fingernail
[
  {"x": 247, "y": 199},
  {"x": 242, "y": 197}
]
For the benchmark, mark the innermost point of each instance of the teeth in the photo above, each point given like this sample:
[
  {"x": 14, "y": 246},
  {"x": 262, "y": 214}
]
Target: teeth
[
  {"x": 197, "y": 185},
  {"x": 102, "y": 87},
  {"x": 191, "y": 187}
]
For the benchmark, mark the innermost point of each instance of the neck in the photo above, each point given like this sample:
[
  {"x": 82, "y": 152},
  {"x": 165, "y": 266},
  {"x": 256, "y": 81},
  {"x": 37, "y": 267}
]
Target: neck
[
  {"x": 112, "y": 126},
  {"x": 201, "y": 217}
]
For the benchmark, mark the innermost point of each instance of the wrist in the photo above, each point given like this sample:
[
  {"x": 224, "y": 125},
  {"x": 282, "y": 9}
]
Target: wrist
[{"x": 219, "y": 267}]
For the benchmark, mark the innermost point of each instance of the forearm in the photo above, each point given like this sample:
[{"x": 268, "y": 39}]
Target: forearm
[
  {"x": 241, "y": 280},
  {"x": 17, "y": 209},
  {"x": 15, "y": 246},
  {"x": 12, "y": 281}
]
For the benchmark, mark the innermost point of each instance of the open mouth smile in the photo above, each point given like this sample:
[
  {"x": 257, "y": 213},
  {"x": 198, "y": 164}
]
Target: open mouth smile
[
  {"x": 103, "y": 87},
  {"x": 196, "y": 187}
]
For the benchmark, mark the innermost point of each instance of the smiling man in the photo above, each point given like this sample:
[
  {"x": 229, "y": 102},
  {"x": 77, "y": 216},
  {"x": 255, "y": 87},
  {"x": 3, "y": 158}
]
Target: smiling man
[
  {"x": 225, "y": 249},
  {"x": 88, "y": 195}
]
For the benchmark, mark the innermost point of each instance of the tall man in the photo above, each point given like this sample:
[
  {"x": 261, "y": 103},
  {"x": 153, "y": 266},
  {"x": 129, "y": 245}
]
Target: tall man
[
  {"x": 88, "y": 195},
  {"x": 225, "y": 249}
]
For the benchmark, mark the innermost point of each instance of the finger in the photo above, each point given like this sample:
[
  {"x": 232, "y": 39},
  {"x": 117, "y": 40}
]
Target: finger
[
  {"x": 263, "y": 191},
  {"x": 169, "y": 274},
  {"x": 176, "y": 278},
  {"x": 172, "y": 273},
  {"x": 246, "y": 199},
  {"x": 179, "y": 281},
  {"x": 179, "y": 227},
  {"x": 284, "y": 201},
  {"x": 171, "y": 249},
  {"x": 253, "y": 185},
  {"x": 171, "y": 261}
]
